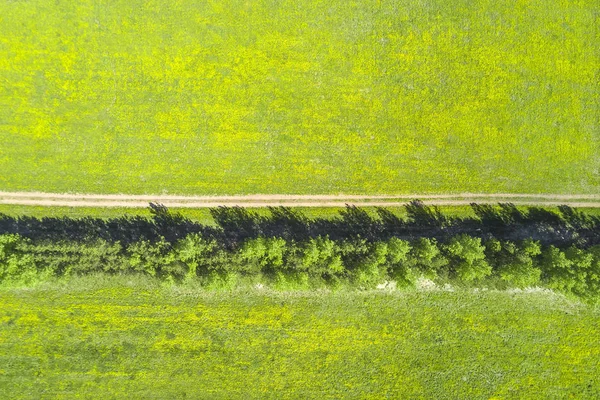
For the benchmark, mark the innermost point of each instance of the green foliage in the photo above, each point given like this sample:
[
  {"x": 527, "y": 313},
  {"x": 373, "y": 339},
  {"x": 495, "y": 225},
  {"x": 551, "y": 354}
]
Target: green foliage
[
  {"x": 427, "y": 257},
  {"x": 468, "y": 258},
  {"x": 288, "y": 264},
  {"x": 220, "y": 280},
  {"x": 365, "y": 261},
  {"x": 321, "y": 257},
  {"x": 157, "y": 259},
  {"x": 100, "y": 256},
  {"x": 262, "y": 255},
  {"x": 399, "y": 262},
  {"x": 515, "y": 264},
  {"x": 569, "y": 270},
  {"x": 145, "y": 257},
  {"x": 198, "y": 253},
  {"x": 16, "y": 266},
  {"x": 593, "y": 274},
  {"x": 291, "y": 280}
]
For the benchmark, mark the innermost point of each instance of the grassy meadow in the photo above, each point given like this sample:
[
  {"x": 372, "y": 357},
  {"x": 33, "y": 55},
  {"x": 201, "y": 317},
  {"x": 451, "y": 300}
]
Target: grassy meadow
[
  {"x": 309, "y": 96},
  {"x": 203, "y": 216},
  {"x": 100, "y": 337},
  {"x": 295, "y": 97}
]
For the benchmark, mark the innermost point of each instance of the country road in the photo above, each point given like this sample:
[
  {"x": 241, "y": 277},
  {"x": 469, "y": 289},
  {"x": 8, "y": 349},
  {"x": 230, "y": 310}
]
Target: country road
[{"x": 175, "y": 201}]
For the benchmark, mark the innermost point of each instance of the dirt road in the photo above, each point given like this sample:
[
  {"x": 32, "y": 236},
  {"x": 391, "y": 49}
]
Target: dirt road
[{"x": 124, "y": 200}]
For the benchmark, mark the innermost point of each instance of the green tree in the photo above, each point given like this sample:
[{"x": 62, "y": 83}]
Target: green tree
[
  {"x": 593, "y": 275},
  {"x": 16, "y": 265},
  {"x": 366, "y": 262},
  {"x": 567, "y": 270},
  {"x": 156, "y": 259},
  {"x": 321, "y": 257},
  {"x": 427, "y": 257},
  {"x": 515, "y": 264},
  {"x": 398, "y": 262},
  {"x": 262, "y": 255},
  {"x": 199, "y": 254},
  {"x": 467, "y": 256}
]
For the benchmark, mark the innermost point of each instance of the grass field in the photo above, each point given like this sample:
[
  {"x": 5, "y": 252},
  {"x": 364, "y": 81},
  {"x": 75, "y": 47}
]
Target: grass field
[
  {"x": 203, "y": 216},
  {"x": 336, "y": 96},
  {"x": 111, "y": 338},
  {"x": 299, "y": 97}
]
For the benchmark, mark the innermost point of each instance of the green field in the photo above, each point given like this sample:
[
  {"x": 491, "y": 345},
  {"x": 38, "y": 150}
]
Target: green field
[
  {"x": 309, "y": 96},
  {"x": 202, "y": 215},
  {"x": 295, "y": 97},
  {"x": 110, "y": 338}
]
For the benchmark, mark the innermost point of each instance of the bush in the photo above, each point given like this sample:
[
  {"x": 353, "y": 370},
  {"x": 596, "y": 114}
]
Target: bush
[
  {"x": 291, "y": 280},
  {"x": 290, "y": 264},
  {"x": 593, "y": 275},
  {"x": 99, "y": 256},
  {"x": 220, "y": 280},
  {"x": 199, "y": 254},
  {"x": 467, "y": 257}
]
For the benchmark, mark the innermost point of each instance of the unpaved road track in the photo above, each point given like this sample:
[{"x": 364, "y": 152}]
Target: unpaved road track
[{"x": 123, "y": 200}]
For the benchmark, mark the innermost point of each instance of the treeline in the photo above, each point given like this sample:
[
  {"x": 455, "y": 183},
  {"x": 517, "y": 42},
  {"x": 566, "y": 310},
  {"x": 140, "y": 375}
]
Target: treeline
[
  {"x": 564, "y": 228},
  {"x": 314, "y": 262}
]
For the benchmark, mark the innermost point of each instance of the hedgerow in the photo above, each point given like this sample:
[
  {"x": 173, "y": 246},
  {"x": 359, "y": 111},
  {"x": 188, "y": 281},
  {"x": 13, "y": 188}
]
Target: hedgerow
[
  {"x": 291, "y": 263},
  {"x": 503, "y": 244}
]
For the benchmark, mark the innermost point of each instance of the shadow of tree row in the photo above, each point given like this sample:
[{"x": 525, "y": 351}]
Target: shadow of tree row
[{"x": 504, "y": 221}]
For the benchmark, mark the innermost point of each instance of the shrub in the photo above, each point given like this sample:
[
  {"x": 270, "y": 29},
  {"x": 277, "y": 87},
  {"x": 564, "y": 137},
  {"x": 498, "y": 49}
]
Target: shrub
[
  {"x": 365, "y": 262},
  {"x": 289, "y": 264},
  {"x": 221, "y": 280},
  {"x": 292, "y": 280},
  {"x": 198, "y": 253},
  {"x": 99, "y": 256},
  {"x": 593, "y": 275}
]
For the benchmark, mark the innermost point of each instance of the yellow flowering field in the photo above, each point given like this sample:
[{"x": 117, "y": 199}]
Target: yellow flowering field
[
  {"x": 304, "y": 96},
  {"x": 114, "y": 338}
]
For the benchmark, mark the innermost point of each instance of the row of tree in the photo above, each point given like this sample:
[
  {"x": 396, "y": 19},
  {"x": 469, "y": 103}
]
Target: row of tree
[
  {"x": 563, "y": 228},
  {"x": 355, "y": 261}
]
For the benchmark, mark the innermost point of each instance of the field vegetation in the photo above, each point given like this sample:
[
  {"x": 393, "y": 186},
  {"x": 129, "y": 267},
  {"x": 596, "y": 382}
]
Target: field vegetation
[
  {"x": 115, "y": 337},
  {"x": 203, "y": 215},
  {"x": 311, "y": 96},
  {"x": 209, "y": 97}
]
